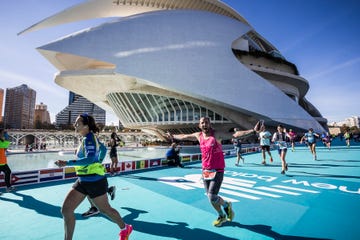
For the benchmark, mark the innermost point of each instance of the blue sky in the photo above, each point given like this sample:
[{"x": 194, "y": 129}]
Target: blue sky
[{"x": 321, "y": 37}]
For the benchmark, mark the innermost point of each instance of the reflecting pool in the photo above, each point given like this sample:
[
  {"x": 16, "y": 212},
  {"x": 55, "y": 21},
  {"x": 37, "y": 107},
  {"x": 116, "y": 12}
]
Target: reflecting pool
[{"x": 23, "y": 161}]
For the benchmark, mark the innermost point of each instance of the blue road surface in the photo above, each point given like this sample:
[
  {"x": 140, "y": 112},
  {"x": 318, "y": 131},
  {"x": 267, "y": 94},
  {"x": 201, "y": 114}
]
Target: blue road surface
[{"x": 314, "y": 200}]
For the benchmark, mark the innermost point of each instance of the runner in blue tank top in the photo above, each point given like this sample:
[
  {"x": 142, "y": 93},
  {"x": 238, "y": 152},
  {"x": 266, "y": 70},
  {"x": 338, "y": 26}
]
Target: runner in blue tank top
[
  {"x": 310, "y": 137},
  {"x": 91, "y": 182}
]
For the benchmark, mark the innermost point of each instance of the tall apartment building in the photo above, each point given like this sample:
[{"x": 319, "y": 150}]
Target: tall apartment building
[
  {"x": 78, "y": 105},
  {"x": 42, "y": 114},
  {"x": 1, "y": 103},
  {"x": 353, "y": 121},
  {"x": 19, "y": 107}
]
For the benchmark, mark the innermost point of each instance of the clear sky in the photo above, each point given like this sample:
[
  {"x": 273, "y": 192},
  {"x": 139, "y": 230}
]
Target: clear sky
[{"x": 321, "y": 37}]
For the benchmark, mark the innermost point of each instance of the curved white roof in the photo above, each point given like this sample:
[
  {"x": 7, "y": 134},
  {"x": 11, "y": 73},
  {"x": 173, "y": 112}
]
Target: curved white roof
[
  {"x": 193, "y": 59},
  {"x": 196, "y": 62},
  {"x": 122, "y": 8}
]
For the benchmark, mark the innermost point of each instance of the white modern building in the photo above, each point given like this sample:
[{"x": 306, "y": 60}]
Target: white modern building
[
  {"x": 165, "y": 63},
  {"x": 353, "y": 121}
]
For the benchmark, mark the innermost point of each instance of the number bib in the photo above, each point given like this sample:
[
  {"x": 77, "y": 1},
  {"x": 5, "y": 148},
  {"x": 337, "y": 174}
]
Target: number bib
[{"x": 208, "y": 174}]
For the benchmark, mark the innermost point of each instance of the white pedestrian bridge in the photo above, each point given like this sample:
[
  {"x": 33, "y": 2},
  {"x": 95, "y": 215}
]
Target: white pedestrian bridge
[{"x": 67, "y": 138}]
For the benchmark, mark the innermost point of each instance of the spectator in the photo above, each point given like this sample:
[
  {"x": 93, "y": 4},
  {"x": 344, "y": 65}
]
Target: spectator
[{"x": 172, "y": 156}]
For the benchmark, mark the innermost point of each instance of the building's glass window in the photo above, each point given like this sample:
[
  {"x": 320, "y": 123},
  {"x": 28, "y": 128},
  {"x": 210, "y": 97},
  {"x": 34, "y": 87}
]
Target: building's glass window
[{"x": 139, "y": 108}]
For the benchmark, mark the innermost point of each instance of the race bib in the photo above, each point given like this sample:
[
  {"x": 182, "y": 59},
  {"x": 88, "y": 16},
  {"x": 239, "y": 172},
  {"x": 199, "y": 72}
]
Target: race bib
[
  {"x": 208, "y": 174},
  {"x": 282, "y": 144}
]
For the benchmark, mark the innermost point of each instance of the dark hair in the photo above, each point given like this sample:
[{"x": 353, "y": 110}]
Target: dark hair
[
  {"x": 90, "y": 122},
  {"x": 114, "y": 136}
]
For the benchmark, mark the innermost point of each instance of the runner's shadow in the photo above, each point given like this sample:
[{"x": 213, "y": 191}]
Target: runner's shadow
[
  {"x": 319, "y": 165},
  {"x": 312, "y": 174},
  {"x": 268, "y": 165},
  {"x": 140, "y": 177},
  {"x": 174, "y": 230},
  {"x": 342, "y": 161},
  {"x": 38, "y": 206},
  {"x": 267, "y": 231}
]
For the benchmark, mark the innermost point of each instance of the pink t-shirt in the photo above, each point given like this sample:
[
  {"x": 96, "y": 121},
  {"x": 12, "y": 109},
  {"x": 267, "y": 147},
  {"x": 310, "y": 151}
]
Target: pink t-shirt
[{"x": 212, "y": 154}]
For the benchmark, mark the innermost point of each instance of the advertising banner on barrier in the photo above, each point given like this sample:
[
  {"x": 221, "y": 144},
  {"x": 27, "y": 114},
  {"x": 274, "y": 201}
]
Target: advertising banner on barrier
[
  {"x": 155, "y": 162},
  {"x": 24, "y": 177},
  {"x": 195, "y": 157},
  {"x": 142, "y": 164},
  {"x": 51, "y": 174},
  {"x": 70, "y": 172},
  {"x": 185, "y": 158},
  {"x": 127, "y": 166}
]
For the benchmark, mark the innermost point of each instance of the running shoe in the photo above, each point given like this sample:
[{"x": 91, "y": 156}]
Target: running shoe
[
  {"x": 91, "y": 212},
  {"x": 125, "y": 233},
  {"x": 263, "y": 163},
  {"x": 111, "y": 192},
  {"x": 271, "y": 159},
  {"x": 10, "y": 189},
  {"x": 229, "y": 212},
  {"x": 219, "y": 221}
]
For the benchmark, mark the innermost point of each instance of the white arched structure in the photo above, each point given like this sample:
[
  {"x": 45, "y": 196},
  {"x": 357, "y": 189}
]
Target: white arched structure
[{"x": 165, "y": 64}]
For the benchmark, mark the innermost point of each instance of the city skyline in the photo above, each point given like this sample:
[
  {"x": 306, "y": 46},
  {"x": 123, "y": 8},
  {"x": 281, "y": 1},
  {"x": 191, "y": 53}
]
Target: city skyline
[{"x": 320, "y": 38}]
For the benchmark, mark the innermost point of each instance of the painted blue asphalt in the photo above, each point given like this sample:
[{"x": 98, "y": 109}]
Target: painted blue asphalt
[{"x": 314, "y": 200}]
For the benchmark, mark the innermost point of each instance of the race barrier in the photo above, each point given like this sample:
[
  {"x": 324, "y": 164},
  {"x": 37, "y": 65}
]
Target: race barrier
[{"x": 21, "y": 178}]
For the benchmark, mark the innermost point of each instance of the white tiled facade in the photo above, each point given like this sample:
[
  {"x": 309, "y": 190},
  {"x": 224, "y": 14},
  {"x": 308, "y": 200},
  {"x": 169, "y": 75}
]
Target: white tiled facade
[{"x": 165, "y": 64}]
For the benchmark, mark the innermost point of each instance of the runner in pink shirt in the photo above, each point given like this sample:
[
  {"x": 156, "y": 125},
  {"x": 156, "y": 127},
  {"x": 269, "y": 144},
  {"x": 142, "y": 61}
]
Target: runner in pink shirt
[{"x": 213, "y": 165}]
